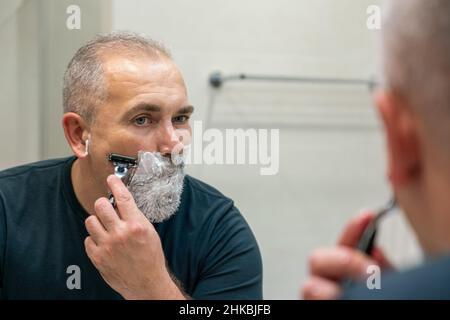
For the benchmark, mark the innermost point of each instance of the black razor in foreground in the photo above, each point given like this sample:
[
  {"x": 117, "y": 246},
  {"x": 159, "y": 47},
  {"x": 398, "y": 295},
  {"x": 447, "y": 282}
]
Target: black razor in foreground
[
  {"x": 367, "y": 240},
  {"x": 124, "y": 168}
]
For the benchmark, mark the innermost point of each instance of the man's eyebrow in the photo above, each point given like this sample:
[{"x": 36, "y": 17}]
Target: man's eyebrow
[
  {"x": 154, "y": 108},
  {"x": 142, "y": 107},
  {"x": 186, "y": 109}
]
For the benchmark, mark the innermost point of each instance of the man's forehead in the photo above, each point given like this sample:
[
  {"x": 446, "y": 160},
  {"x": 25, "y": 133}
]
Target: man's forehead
[
  {"x": 133, "y": 81},
  {"x": 126, "y": 77},
  {"x": 116, "y": 68}
]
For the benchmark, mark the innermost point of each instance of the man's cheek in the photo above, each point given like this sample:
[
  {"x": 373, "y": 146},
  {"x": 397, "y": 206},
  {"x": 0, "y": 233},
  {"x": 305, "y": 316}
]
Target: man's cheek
[
  {"x": 125, "y": 148},
  {"x": 131, "y": 146}
]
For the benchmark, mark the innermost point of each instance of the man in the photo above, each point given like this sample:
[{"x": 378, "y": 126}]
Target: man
[
  {"x": 169, "y": 237},
  {"x": 415, "y": 108}
]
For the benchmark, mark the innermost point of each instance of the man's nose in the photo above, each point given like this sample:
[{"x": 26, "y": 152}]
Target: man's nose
[{"x": 168, "y": 139}]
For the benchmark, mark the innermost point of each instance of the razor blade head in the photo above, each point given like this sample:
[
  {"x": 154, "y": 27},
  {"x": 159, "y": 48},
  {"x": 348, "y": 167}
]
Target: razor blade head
[
  {"x": 122, "y": 164},
  {"x": 121, "y": 159}
]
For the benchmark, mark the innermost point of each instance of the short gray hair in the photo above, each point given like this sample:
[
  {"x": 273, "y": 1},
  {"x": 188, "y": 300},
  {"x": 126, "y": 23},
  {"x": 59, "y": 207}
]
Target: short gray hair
[
  {"x": 416, "y": 58},
  {"x": 84, "y": 85}
]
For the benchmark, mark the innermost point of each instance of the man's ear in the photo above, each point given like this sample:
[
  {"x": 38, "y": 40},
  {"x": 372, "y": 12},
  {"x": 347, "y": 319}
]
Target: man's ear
[
  {"x": 76, "y": 132},
  {"x": 402, "y": 138}
]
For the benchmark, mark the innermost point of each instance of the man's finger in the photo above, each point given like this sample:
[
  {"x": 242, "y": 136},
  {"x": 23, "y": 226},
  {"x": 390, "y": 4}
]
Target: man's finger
[
  {"x": 125, "y": 203},
  {"x": 316, "y": 288},
  {"x": 95, "y": 229},
  {"x": 339, "y": 263},
  {"x": 90, "y": 247},
  {"x": 106, "y": 214},
  {"x": 355, "y": 228}
]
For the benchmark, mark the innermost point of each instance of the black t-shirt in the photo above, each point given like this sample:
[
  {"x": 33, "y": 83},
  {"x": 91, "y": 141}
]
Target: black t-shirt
[{"x": 208, "y": 245}]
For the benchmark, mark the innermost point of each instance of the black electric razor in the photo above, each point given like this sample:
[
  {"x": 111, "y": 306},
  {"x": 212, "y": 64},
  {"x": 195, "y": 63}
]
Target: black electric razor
[
  {"x": 367, "y": 240},
  {"x": 124, "y": 168}
]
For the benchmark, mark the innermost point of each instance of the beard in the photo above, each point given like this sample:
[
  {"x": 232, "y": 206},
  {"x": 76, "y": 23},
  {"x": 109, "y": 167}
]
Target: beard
[{"x": 157, "y": 185}]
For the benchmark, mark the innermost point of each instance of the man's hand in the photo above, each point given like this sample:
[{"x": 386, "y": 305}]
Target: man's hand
[
  {"x": 126, "y": 249},
  {"x": 329, "y": 267}
]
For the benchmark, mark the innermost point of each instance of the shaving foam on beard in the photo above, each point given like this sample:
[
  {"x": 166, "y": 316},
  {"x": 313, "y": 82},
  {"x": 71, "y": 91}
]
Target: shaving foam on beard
[{"x": 157, "y": 185}]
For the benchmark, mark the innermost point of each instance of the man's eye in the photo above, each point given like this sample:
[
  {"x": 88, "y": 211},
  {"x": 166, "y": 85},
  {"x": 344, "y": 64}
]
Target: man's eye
[
  {"x": 181, "y": 119},
  {"x": 141, "y": 121}
]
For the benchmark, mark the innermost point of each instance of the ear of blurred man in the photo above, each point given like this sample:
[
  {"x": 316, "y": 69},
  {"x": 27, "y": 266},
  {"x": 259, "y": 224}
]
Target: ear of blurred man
[
  {"x": 406, "y": 165},
  {"x": 402, "y": 139}
]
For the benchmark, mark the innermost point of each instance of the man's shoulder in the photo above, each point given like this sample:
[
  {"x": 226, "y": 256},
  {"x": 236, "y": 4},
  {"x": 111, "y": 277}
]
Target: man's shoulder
[
  {"x": 28, "y": 168},
  {"x": 431, "y": 280},
  {"x": 202, "y": 204},
  {"x": 201, "y": 188},
  {"x": 207, "y": 200},
  {"x": 29, "y": 178}
]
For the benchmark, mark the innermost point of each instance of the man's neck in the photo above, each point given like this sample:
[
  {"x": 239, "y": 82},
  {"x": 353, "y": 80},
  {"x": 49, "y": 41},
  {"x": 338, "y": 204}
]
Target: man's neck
[{"x": 85, "y": 188}]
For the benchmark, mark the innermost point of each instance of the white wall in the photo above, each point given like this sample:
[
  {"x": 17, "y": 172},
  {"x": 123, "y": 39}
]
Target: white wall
[
  {"x": 58, "y": 45},
  {"x": 19, "y": 93},
  {"x": 317, "y": 38},
  {"x": 36, "y": 48}
]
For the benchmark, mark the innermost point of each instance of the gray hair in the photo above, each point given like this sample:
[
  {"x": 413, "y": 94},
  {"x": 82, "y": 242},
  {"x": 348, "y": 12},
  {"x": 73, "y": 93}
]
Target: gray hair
[
  {"x": 416, "y": 58},
  {"x": 84, "y": 85}
]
